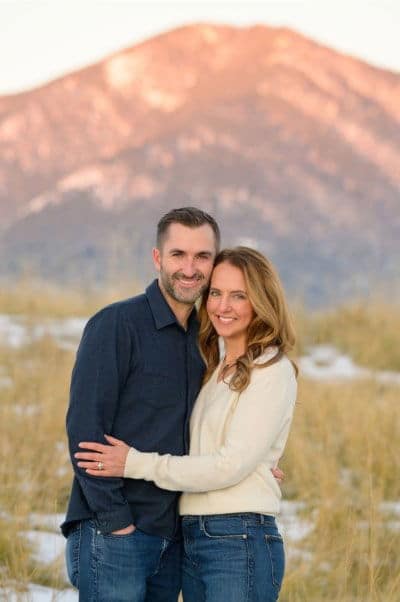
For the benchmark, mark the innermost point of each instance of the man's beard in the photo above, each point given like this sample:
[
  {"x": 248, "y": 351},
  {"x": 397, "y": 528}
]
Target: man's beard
[{"x": 189, "y": 296}]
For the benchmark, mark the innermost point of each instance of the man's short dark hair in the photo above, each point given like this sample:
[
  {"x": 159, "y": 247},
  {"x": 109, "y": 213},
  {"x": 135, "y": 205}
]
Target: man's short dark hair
[{"x": 187, "y": 216}]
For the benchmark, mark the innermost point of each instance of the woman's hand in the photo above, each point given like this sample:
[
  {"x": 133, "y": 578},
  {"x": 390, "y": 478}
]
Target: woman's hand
[
  {"x": 278, "y": 474},
  {"x": 103, "y": 460}
]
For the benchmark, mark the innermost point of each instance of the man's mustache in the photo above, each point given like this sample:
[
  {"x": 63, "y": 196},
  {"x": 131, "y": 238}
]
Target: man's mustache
[{"x": 179, "y": 276}]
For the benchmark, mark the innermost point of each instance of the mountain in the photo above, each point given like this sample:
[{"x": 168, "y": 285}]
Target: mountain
[{"x": 295, "y": 149}]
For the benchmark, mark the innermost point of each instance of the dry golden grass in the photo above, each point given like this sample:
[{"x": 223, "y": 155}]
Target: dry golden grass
[
  {"x": 34, "y": 466},
  {"x": 368, "y": 331},
  {"x": 341, "y": 460},
  {"x": 34, "y": 299}
]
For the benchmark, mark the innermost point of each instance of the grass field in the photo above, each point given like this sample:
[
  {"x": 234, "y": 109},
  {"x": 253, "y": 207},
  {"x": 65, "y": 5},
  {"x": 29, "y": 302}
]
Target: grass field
[{"x": 342, "y": 460}]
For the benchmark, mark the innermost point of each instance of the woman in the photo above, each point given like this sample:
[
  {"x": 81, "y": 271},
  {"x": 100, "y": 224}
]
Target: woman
[{"x": 239, "y": 428}]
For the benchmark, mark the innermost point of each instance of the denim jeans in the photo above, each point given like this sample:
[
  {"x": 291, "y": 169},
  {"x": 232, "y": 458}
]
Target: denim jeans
[
  {"x": 232, "y": 558},
  {"x": 122, "y": 568}
]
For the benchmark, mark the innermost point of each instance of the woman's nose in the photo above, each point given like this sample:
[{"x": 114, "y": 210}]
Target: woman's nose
[{"x": 224, "y": 304}]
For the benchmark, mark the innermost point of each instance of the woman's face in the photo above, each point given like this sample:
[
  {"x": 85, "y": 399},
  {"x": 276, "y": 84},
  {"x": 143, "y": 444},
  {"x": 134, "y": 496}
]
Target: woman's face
[{"x": 228, "y": 305}]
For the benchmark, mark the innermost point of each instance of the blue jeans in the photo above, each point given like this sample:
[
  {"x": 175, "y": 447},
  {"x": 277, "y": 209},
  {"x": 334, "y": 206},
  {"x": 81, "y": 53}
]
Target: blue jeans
[
  {"x": 122, "y": 568},
  {"x": 232, "y": 558}
]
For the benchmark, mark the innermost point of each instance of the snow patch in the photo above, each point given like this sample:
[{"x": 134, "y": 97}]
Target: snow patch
[
  {"x": 209, "y": 34},
  {"x": 162, "y": 100},
  {"x": 291, "y": 525},
  {"x": 326, "y": 363},
  {"x": 47, "y": 546},
  {"x": 124, "y": 70},
  {"x": 15, "y": 332},
  {"x": 38, "y": 593},
  {"x": 83, "y": 178}
]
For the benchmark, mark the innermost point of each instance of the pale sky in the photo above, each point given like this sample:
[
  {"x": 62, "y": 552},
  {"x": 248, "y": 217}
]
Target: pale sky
[{"x": 44, "y": 39}]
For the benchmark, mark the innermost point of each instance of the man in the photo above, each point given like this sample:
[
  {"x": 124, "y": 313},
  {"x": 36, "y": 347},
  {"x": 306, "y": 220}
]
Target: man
[{"x": 137, "y": 374}]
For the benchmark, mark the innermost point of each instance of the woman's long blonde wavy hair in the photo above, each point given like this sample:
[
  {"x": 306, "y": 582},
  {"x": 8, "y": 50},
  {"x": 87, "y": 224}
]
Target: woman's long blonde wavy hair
[{"x": 271, "y": 325}]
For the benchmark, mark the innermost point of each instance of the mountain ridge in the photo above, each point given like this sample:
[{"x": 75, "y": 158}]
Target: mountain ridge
[{"x": 259, "y": 125}]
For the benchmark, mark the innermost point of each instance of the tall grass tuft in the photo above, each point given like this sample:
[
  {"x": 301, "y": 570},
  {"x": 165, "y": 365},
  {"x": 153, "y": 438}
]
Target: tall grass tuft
[
  {"x": 342, "y": 461},
  {"x": 368, "y": 331}
]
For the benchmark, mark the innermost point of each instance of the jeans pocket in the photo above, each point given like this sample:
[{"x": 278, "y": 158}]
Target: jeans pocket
[
  {"x": 276, "y": 555},
  {"x": 120, "y": 536},
  {"x": 225, "y": 528},
  {"x": 72, "y": 553}
]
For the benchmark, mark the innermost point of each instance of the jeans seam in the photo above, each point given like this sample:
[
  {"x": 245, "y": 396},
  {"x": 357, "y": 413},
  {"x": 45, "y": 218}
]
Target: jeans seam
[
  {"x": 267, "y": 540},
  {"x": 95, "y": 561},
  {"x": 250, "y": 568},
  {"x": 187, "y": 543},
  {"x": 79, "y": 556},
  {"x": 164, "y": 546}
]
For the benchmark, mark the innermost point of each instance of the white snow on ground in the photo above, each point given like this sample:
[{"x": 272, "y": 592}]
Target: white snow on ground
[
  {"x": 15, "y": 331},
  {"x": 67, "y": 331},
  {"x": 38, "y": 593},
  {"x": 12, "y": 333},
  {"x": 326, "y": 363},
  {"x": 47, "y": 546},
  {"x": 391, "y": 507},
  {"x": 292, "y": 527},
  {"x": 5, "y": 381},
  {"x": 46, "y": 521}
]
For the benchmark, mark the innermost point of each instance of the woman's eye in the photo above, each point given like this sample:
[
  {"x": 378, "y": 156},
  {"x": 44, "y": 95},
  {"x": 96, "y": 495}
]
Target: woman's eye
[{"x": 213, "y": 294}]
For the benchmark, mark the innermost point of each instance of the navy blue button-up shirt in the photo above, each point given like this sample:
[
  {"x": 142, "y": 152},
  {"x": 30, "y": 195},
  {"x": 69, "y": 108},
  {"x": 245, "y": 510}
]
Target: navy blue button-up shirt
[{"x": 136, "y": 377}]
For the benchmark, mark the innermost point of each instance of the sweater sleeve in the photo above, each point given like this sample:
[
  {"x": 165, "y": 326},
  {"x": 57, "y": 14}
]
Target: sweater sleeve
[
  {"x": 99, "y": 374},
  {"x": 261, "y": 412}
]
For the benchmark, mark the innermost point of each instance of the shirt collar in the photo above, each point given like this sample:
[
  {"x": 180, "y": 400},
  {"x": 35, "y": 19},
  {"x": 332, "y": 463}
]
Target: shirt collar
[{"x": 162, "y": 313}]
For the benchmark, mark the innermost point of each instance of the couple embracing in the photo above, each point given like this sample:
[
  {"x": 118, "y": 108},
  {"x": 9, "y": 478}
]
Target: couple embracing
[{"x": 167, "y": 399}]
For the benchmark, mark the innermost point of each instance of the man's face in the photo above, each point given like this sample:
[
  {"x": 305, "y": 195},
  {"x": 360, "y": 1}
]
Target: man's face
[{"x": 185, "y": 261}]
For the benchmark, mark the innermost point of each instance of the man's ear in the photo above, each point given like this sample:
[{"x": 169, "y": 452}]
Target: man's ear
[{"x": 156, "y": 258}]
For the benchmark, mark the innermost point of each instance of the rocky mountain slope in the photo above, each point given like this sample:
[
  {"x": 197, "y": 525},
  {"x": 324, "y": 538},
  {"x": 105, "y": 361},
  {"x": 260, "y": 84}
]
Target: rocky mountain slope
[{"x": 293, "y": 147}]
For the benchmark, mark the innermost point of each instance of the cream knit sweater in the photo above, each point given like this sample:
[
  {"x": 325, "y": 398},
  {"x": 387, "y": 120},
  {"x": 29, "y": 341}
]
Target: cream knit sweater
[{"x": 236, "y": 438}]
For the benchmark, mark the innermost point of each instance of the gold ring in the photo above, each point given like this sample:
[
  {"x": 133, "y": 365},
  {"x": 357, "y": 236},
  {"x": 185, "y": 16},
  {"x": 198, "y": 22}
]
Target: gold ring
[{"x": 100, "y": 466}]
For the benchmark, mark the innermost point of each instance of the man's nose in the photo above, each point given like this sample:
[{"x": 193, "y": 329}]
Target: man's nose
[{"x": 188, "y": 267}]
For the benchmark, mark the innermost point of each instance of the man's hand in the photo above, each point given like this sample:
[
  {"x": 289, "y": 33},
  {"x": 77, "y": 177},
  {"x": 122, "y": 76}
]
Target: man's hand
[
  {"x": 104, "y": 460},
  {"x": 126, "y": 531}
]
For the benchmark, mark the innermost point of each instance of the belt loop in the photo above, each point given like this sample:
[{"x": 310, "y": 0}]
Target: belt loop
[
  {"x": 261, "y": 519},
  {"x": 201, "y": 523}
]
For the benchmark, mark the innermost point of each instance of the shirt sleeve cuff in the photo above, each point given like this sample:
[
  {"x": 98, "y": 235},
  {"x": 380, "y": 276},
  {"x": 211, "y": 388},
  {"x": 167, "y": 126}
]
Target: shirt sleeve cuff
[
  {"x": 140, "y": 465},
  {"x": 114, "y": 520}
]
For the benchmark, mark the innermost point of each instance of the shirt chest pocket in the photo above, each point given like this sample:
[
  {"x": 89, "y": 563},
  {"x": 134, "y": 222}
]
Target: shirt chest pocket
[{"x": 157, "y": 390}]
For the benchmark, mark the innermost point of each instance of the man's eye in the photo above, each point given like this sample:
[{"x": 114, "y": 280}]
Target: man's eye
[{"x": 213, "y": 293}]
